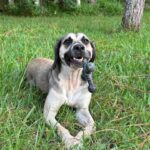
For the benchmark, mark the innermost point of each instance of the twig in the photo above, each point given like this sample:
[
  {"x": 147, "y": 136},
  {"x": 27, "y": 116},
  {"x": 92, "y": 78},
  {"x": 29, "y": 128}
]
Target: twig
[
  {"x": 129, "y": 87},
  {"x": 134, "y": 76},
  {"x": 107, "y": 130},
  {"x": 141, "y": 145}
]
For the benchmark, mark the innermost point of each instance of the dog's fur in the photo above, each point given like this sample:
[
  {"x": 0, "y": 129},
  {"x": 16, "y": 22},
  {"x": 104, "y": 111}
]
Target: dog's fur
[{"x": 62, "y": 81}]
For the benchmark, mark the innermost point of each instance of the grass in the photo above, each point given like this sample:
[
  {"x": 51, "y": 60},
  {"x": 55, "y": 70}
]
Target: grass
[{"x": 120, "y": 105}]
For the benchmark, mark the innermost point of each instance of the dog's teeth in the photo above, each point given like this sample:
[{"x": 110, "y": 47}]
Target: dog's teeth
[{"x": 78, "y": 59}]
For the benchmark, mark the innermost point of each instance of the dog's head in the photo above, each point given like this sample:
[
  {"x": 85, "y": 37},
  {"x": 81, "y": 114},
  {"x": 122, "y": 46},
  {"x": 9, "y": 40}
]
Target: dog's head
[{"x": 72, "y": 49}]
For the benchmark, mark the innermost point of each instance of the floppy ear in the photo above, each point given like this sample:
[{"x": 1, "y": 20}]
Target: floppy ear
[
  {"x": 57, "y": 60},
  {"x": 93, "y": 52}
]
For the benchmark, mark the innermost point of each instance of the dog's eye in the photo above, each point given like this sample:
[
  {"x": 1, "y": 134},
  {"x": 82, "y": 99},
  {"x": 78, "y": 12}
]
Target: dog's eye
[
  {"x": 85, "y": 41},
  {"x": 68, "y": 41}
]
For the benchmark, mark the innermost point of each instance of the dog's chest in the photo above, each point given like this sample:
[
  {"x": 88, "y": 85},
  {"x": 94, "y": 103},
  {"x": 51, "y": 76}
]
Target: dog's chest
[
  {"x": 78, "y": 96},
  {"x": 74, "y": 97},
  {"x": 75, "y": 90},
  {"x": 72, "y": 89}
]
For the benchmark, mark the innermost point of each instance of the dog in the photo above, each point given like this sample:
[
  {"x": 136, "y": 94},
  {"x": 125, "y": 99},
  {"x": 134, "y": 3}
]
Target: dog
[{"x": 61, "y": 79}]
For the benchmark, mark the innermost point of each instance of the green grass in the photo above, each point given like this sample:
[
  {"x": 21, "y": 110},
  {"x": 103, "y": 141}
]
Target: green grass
[{"x": 121, "y": 104}]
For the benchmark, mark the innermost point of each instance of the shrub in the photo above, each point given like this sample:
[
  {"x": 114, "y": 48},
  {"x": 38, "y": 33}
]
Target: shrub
[
  {"x": 27, "y": 7},
  {"x": 11, "y": 9},
  {"x": 108, "y": 7},
  {"x": 69, "y": 5}
]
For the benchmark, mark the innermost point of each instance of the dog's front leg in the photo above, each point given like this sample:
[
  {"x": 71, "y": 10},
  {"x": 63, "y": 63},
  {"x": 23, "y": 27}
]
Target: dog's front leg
[
  {"x": 53, "y": 102},
  {"x": 84, "y": 117}
]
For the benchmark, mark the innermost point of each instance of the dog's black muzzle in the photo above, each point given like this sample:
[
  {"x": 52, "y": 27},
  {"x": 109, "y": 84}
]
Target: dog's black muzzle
[
  {"x": 76, "y": 54},
  {"x": 78, "y": 51}
]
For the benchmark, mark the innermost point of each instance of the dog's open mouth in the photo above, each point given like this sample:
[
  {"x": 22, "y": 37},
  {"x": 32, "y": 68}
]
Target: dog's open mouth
[{"x": 77, "y": 61}]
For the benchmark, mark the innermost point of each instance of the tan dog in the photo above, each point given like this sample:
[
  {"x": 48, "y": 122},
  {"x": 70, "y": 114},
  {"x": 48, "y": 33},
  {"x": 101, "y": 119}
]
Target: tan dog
[{"x": 62, "y": 81}]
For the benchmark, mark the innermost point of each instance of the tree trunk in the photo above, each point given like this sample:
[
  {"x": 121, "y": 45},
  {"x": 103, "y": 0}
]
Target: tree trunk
[
  {"x": 92, "y": 1},
  {"x": 78, "y": 2},
  {"x": 11, "y": 2},
  {"x": 133, "y": 14},
  {"x": 37, "y": 2},
  {"x": 61, "y": 3}
]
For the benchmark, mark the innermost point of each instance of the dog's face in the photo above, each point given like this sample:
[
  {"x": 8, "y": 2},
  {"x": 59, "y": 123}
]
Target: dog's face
[{"x": 72, "y": 49}]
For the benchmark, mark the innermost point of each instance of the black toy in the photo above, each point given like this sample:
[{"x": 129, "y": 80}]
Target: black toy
[{"x": 88, "y": 68}]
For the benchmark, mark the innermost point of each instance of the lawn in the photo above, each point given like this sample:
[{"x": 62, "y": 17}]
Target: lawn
[{"x": 121, "y": 104}]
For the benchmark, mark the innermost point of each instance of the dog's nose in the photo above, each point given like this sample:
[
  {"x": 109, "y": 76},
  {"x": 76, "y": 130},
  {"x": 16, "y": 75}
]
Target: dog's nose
[{"x": 78, "y": 47}]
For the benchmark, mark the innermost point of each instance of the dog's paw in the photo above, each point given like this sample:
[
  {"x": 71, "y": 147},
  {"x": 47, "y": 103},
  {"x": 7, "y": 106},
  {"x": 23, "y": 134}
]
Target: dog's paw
[
  {"x": 79, "y": 136},
  {"x": 73, "y": 144},
  {"x": 85, "y": 133}
]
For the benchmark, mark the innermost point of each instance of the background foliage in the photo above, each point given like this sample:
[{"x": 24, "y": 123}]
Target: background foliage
[
  {"x": 27, "y": 7},
  {"x": 59, "y": 7}
]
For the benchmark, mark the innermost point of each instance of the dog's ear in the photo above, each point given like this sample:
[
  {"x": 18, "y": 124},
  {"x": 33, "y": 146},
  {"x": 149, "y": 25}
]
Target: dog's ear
[
  {"x": 57, "y": 60},
  {"x": 93, "y": 52}
]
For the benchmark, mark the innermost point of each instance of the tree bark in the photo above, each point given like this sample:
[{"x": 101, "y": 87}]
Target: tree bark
[
  {"x": 37, "y": 2},
  {"x": 92, "y": 1},
  {"x": 133, "y": 14},
  {"x": 78, "y": 2},
  {"x": 11, "y": 2}
]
